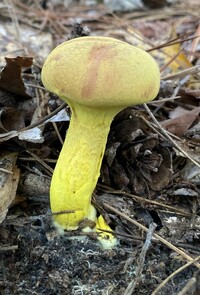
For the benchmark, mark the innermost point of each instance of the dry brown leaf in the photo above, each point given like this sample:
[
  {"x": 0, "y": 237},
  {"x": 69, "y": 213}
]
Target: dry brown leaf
[
  {"x": 180, "y": 124},
  {"x": 177, "y": 112},
  {"x": 8, "y": 182},
  {"x": 11, "y": 119},
  {"x": 11, "y": 79}
]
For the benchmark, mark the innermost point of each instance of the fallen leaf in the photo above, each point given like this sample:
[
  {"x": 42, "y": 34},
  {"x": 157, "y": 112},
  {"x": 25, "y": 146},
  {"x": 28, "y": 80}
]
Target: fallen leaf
[
  {"x": 177, "y": 112},
  {"x": 11, "y": 119},
  {"x": 179, "y": 125},
  {"x": 175, "y": 58},
  {"x": 8, "y": 182},
  {"x": 11, "y": 79},
  {"x": 191, "y": 173}
]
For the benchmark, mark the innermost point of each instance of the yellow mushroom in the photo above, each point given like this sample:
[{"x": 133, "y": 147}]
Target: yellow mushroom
[{"x": 98, "y": 77}]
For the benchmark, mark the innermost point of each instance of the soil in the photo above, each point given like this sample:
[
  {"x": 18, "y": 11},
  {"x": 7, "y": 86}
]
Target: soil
[{"x": 43, "y": 264}]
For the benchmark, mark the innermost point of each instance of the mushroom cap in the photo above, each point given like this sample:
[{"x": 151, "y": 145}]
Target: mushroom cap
[{"x": 101, "y": 71}]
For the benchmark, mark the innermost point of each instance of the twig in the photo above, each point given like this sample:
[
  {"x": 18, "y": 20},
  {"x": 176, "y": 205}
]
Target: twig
[
  {"x": 172, "y": 59},
  {"x": 132, "y": 285},
  {"x": 43, "y": 120},
  {"x": 11, "y": 134},
  {"x": 194, "y": 44},
  {"x": 14, "y": 18},
  {"x": 142, "y": 227},
  {"x": 142, "y": 200},
  {"x": 183, "y": 73},
  {"x": 163, "y": 100},
  {"x": 63, "y": 212},
  {"x": 188, "y": 287},
  {"x": 8, "y": 248},
  {"x": 174, "y": 41},
  {"x": 5, "y": 171},
  {"x": 45, "y": 165},
  {"x": 193, "y": 261},
  {"x": 170, "y": 138},
  {"x": 56, "y": 129}
]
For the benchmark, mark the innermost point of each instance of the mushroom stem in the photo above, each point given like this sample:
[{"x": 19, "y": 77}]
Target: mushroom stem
[{"x": 78, "y": 166}]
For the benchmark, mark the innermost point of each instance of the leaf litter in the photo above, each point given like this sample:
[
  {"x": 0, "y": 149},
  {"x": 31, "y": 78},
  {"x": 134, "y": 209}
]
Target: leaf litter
[{"x": 149, "y": 185}]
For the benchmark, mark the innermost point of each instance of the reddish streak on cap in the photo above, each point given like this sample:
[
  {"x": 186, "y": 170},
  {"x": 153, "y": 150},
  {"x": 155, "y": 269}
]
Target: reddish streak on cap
[{"x": 98, "y": 54}]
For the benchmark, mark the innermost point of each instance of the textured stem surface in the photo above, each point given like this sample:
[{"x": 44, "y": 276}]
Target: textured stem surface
[{"x": 78, "y": 166}]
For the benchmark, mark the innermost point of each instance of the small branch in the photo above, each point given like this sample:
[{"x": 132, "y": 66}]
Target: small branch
[
  {"x": 142, "y": 227},
  {"x": 132, "y": 285},
  {"x": 8, "y": 248},
  {"x": 170, "y": 138},
  {"x": 174, "y": 274}
]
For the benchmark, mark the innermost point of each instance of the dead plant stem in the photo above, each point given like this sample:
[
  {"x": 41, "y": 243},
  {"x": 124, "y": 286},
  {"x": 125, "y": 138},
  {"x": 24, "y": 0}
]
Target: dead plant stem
[{"x": 142, "y": 227}]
